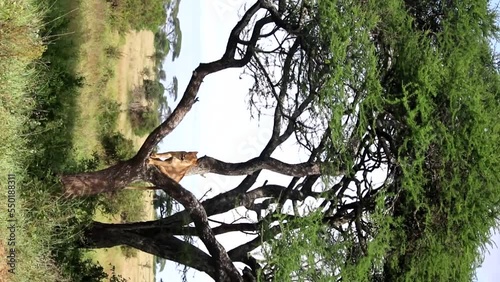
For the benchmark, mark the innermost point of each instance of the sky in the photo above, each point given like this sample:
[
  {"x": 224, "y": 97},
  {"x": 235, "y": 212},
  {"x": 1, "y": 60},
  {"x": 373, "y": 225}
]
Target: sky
[{"x": 219, "y": 125}]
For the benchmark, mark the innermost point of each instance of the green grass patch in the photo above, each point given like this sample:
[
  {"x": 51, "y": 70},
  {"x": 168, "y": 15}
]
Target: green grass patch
[
  {"x": 137, "y": 14},
  {"x": 20, "y": 44},
  {"x": 54, "y": 62}
]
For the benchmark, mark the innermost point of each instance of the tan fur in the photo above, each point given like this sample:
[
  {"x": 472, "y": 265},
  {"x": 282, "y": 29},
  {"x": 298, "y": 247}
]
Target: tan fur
[{"x": 175, "y": 165}]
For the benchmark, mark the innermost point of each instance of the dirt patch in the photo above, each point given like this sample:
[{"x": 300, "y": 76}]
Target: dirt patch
[
  {"x": 140, "y": 268},
  {"x": 138, "y": 47},
  {"x": 136, "y": 268}
]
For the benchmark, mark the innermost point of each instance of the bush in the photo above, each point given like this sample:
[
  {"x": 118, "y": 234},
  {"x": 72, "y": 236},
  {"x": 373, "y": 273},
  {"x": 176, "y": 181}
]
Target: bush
[
  {"x": 128, "y": 251},
  {"x": 137, "y": 14},
  {"x": 153, "y": 89},
  {"x": 116, "y": 277},
  {"x": 113, "y": 52},
  {"x": 144, "y": 122},
  {"x": 80, "y": 269},
  {"x": 109, "y": 111},
  {"x": 125, "y": 203},
  {"x": 117, "y": 147}
]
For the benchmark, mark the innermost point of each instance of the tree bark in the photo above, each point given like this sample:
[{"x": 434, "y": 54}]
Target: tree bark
[
  {"x": 225, "y": 269},
  {"x": 118, "y": 176},
  {"x": 161, "y": 244},
  {"x": 207, "y": 164},
  {"x": 106, "y": 180}
]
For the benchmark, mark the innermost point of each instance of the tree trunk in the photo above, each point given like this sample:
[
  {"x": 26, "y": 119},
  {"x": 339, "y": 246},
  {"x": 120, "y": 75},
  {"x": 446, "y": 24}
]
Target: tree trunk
[
  {"x": 107, "y": 180},
  {"x": 161, "y": 244}
]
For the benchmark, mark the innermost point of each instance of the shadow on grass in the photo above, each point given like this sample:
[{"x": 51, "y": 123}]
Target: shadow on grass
[
  {"x": 55, "y": 98},
  {"x": 51, "y": 219}
]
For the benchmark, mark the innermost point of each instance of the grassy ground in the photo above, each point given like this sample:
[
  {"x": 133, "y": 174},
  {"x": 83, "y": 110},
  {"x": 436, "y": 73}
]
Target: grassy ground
[
  {"x": 109, "y": 62},
  {"x": 98, "y": 69},
  {"x": 19, "y": 46},
  {"x": 51, "y": 108},
  {"x": 128, "y": 263}
]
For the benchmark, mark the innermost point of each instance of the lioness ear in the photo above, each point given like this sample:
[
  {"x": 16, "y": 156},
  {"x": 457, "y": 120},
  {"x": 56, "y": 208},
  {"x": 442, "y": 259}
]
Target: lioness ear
[{"x": 194, "y": 153}]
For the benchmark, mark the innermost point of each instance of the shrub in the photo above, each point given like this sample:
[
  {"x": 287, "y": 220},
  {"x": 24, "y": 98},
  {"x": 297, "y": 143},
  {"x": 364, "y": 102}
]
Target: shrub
[
  {"x": 144, "y": 122},
  {"x": 109, "y": 111},
  {"x": 153, "y": 89},
  {"x": 117, "y": 147},
  {"x": 126, "y": 203}
]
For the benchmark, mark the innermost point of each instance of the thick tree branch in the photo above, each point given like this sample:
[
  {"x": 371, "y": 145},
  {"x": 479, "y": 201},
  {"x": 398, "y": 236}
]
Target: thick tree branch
[
  {"x": 210, "y": 165},
  {"x": 160, "y": 244},
  {"x": 234, "y": 37},
  {"x": 227, "y": 61},
  {"x": 225, "y": 270},
  {"x": 118, "y": 176}
]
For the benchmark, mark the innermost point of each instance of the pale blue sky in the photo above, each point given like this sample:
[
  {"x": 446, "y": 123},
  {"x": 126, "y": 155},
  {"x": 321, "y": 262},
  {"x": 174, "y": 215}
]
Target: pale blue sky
[
  {"x": 219, "y": 124},
  {"x": 220, "y": 117}
]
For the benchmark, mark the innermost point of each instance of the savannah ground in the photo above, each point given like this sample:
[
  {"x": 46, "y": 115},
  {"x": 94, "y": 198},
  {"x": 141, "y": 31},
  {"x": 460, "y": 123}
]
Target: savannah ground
[
  {"x": 123, "y": 71},
  {"x": 138, "y": 45},
  {"x": 66, "y": 69}
]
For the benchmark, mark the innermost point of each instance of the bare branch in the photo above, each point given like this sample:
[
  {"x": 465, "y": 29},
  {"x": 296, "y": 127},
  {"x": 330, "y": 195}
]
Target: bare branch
[
  {"x": 160, "y": 244},
  {"x": 225, "y": 270},
  {"x": 210, "y": 165},
  {"x": 189, "y": 97}
]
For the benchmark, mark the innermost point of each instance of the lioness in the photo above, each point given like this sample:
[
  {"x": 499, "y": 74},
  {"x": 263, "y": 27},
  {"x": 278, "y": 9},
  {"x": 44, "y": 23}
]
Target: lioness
[{"x": 175, "y": 164}]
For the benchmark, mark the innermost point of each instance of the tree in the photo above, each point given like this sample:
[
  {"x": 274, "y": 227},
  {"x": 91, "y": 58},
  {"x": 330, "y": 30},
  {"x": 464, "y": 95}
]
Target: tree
[
  {"x": 408, "y": 89},
  {"x": 162, "y": 75},
  {"x": 169, "y": 36}
]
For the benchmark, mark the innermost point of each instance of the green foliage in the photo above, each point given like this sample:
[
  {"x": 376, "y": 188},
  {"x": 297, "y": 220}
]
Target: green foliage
[
  {"x": 19, "y": 41},
  {"x": 145, "y": 117},
  {"x": 300, "y": 245},
  {"x": 117, "y": 147},
  {"x": 164, "y": 203},
  {"x": 78, "y": 268},
  {"x": 174, "y": 90},
  {"x": 154, "y": 89},
  {"x": 441, "y": 88},
  {"x": 144, "y": 122},
  {"x": 116, "y": 277},
  {"x": 162, "y": 75},
  {"x": 113, "y": 52},
  {"x": 178, "y": 41},
  {"x": 169, "y": 36},
  {"x": 109, "y": 111},
  {"x": 138, "y": 14},
  {"x": 56, "y": 224},
  {"x": 37, "y": 105},
  {"x": 162, "y": 42},
  {"x": 54, "y": 97},
  {"x": 307, "y": 250},
  {"x": 128, "y": 251},
  {"x": 126, "y": 203},
  {"x": 19, "y": 45}
]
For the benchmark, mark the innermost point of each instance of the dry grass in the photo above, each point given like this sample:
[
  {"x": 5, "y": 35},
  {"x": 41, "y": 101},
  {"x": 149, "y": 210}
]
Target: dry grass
[
  {"x": 136, "y": 268},
  {"x": 133, "y": 59},
  {"x": 107, "y": 76},
  {"x": 135, "y": 52},
  {"x": 98, "y": 70},
  {"x": 123, "y": 73},
  {"x": 111, "y": 75}
]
